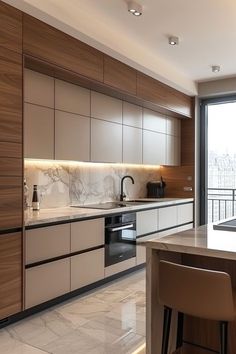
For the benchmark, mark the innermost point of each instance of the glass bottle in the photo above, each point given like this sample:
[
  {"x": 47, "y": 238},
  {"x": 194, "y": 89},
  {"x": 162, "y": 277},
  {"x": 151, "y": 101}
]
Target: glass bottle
[{"x": 35, "y": 198}]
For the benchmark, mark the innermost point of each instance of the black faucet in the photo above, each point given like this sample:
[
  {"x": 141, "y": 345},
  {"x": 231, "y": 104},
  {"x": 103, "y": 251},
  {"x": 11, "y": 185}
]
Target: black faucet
[{"x": 122, "y": 194}]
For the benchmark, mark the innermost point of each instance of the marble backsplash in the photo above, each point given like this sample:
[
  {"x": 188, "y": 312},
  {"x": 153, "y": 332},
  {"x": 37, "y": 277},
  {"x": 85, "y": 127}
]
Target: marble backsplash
[{"x": 62, "y": 184}]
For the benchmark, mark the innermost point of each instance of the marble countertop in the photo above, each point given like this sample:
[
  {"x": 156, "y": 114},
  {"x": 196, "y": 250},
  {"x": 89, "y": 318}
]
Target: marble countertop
[
  {"x": 201, "y": 240},
  {"x": 53, "y": 215}
]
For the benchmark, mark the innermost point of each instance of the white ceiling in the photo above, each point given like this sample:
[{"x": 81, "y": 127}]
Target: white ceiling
[{"x": 206, "y": 28}]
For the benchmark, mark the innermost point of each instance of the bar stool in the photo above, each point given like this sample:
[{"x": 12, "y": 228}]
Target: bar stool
[{"x": 196, "y": 292}]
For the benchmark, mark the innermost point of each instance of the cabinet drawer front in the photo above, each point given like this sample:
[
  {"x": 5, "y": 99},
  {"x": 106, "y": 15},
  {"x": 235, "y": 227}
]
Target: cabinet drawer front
[
  {"x": 87, "y": 268},
  {"x": 47, "y": 242},
  {"x": 185, "y": 213},
  {"x": 46, "y": 282},
  {"x": 87, "y": 234},
  {"x": 167, "y": 217},
  {"x": 146, "y": 221},
  {"x": 10, "y": 274}
]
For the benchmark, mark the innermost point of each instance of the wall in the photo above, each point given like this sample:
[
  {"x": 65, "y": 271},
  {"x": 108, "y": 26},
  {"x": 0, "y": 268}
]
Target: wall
[
  {"x": 217, "y": 87},
  {"x": 65, "y": 183}
]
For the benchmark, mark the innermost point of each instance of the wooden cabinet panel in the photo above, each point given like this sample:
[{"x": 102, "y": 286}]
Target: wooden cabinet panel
[
  {"x": 47, "y": 282},
  {"x": 87, "y": 234},
  {"x": 10, "y": 274},
  {"x": 56, "y": 47},
  {"x": 11, "y": 28},
  {"x": 87, "y": 268},
  {"x": 164, "y": 96},
  {"x": 47, "y": 242},
  {"x": 10, "y": 96},
  {"x": 13, "y": 150},
  {"x": 11, "y": 202},
  {"x": 119, "y": 75},
  {"x": 10, "y": 167}
]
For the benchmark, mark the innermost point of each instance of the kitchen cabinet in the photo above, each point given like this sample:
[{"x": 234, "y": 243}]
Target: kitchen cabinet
[
  {"x": 46, "y": 282},
  {"x": 120, "y": 267},
  {"x": 147, "y": 221},
  {"x": 38, "y": 132},
  {"x": 119, "y": 75},
  {"x": 154, "y": 148},
  {"x": 185, "y": 213},
  {"x": 132, "y": 145},
  {"x": 87, "y": 268},
  {"x": 106, "y": 107},
  {"x": 10, "y": 274},
  {"x": 11, "y": 28},
  {"x": 72, "y": 137},
  {"x": 47, "y": 242},
  {"x": 47, "y": 43},
  {"x": 132, "y": 115},
  {"x": 106, "y": 141},
  {"x": 87, "y": 234},
  {"x": 172, "y": 150},
  {"x": 168, "y": 217},
  {"x": 154, "y": 121}
]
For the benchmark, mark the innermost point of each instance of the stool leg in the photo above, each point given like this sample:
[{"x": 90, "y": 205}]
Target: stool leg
[
  {"x": 223, "y": 337},
  {"x": 180, "y": 329},
  {"x": 166, "y": 329}
]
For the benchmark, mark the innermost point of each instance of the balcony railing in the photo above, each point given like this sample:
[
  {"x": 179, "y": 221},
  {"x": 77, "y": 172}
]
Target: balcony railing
[{"x": 221, "y": 203}]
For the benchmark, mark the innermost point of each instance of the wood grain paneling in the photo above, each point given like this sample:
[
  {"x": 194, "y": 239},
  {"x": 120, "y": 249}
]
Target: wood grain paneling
[
  {"x": 10, "y": 96},
  {"x": 11, "y": 202},
  {"x": 153, "y": 90},
  {"x": 10, "y": 28},
  {"x": 10, "y": 274},
  {"x": 48, "y": 43},
  {"x": 8, "y": 149},
  {"x": 10, "y": 166},
  {"x": 176, "y": 179},
  {"x": 119, "y": 75}
]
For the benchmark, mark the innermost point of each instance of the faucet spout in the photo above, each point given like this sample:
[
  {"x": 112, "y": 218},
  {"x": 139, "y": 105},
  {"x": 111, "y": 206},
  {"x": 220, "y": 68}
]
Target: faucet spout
[{"x": 122, "y": 194}]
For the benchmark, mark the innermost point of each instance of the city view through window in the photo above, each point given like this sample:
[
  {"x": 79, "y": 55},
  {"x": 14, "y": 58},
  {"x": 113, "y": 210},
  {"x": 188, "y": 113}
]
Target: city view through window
[{"x": 221, "y": 161}]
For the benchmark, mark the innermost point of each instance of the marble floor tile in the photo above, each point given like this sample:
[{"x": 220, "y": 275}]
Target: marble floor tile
[{"x": 107, "y": 320}]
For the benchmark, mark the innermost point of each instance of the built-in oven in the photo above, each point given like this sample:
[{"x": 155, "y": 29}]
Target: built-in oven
[{"x": 120, "y": 238}]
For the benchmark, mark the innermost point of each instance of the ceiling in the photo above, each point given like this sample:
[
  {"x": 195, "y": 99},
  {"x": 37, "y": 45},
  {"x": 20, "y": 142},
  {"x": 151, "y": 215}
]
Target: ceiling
[{"x": 206, "y": 28}]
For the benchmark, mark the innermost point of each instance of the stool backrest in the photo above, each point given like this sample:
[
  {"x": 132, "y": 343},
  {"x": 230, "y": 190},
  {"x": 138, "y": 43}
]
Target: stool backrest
[{"x": 196, "y": 292}]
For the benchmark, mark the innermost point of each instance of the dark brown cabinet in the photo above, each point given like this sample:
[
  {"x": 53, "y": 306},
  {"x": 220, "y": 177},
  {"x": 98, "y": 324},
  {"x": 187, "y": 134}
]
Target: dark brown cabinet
[
  {"x": 11, "y": 28},
  {"x": 47, "y": 43},
  {"x": 119, "y": 75},
  {"x": 10, "y": 274}
]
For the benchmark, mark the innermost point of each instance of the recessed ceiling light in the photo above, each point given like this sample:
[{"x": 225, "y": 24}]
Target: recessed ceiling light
[
  {"x": 135, "y": 8},
  {"x": 215, "y": 68},
  {"x": 173, "y": 40}
]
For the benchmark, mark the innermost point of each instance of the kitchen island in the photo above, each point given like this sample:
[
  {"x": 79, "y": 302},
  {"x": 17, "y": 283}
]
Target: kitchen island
[{"x": 200, "y": 247}]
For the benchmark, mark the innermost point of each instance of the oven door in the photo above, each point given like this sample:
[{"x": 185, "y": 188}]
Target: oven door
[{"x": 120, "y": 243}]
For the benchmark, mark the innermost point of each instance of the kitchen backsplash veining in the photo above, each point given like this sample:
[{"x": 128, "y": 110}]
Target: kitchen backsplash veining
[{"x": 62, "y": 184}]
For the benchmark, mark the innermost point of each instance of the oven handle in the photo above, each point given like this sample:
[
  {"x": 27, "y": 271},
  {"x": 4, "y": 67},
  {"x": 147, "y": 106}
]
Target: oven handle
[{"x": 129, "y": 226}]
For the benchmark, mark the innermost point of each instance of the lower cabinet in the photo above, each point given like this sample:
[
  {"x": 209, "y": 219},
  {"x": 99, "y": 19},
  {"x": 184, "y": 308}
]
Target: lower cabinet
[
  {"x": 87, "y": 268},
  {"x": 10, "y": 274},
  {"x": 47, "y": 281}
]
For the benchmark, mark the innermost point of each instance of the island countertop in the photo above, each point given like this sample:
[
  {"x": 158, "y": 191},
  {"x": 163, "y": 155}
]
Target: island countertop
[{"x": 203, "y": 240}]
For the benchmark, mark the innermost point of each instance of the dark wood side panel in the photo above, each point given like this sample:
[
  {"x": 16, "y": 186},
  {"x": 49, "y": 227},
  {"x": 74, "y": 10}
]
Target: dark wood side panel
[
  {"x": 10, "y": 166},
  {"x": 8, "y": 149},
  {"x": 45, "y": 42},
  {"x": 10, "y": 28},
  {"x": 119, "y": 75},
  {"x": 10, "y": 96},
  {"x": 10, "y": 202},
  {"x": 10, "y": 274}
]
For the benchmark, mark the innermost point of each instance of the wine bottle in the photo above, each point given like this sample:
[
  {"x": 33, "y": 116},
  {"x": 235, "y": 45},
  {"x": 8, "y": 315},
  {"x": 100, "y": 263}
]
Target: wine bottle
[{"x": 35, "y": 198}]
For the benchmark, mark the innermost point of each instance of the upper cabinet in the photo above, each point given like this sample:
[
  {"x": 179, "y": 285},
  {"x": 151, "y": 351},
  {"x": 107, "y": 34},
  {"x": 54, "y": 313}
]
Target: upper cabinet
[
  {"x": 162, "y": 95},
  {"x": 11, "y": 28},
  {"x": 106, "y": 107},
  {"x": 119, "y": 75},
  {"x": 132, "y": 115},
  {"x": 45, "y": 42}
]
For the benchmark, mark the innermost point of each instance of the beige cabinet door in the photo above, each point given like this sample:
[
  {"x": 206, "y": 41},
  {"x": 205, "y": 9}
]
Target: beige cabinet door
[
  {"x": 132, "y": 145},
  {"x": 172, "y": 150},
  {"x": 185, "y": 213},
  {"x": 72, "y": 137},
  {"x": 147, "y": 221},
  {"x": 47, "y": 242},
  {"x": 46, "y": 282},
  {"x": 154, "y": 148},
  {"x": 154, "y": 121},
  {"x": 168, "y": 217},
  {"x": 106, "y": 108},
  {"x": 106, "y": 141},
  {"x": 38, "y": 132},
  {"x": 132, "y": 115},
  {"x": 87, "y": 234},
  {"x": 87, "y": 268}
]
